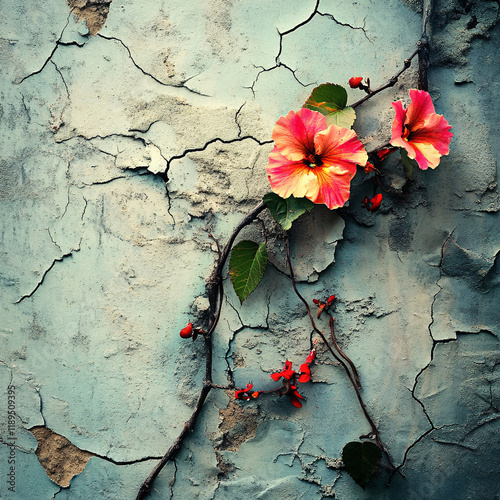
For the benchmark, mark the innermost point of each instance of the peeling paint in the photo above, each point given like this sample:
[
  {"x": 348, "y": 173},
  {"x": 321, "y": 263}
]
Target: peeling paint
[{"x": 60, "y": 459}]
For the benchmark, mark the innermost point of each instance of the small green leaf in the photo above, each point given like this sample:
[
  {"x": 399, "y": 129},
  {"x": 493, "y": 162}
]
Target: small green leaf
[
  {"x": 327, "y": 98},
  {"x": 343, "y": 118},
  {"x": 286, "y": 210},
  {"x": 246, "y": 267},
  {"x": 361, "y": 460},
  {"x": 408, "y": 163}
]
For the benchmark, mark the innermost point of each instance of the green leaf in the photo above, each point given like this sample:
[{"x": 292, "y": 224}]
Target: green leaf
[
  {"x": 361, "y": 460},
  {"x": 246, "y": 267},
  {"x": 409, "y": 164},
  {"x": 286, "y": 210},
  {"x": 343, "y": 118},
  {"x": 327, "y": 98}
]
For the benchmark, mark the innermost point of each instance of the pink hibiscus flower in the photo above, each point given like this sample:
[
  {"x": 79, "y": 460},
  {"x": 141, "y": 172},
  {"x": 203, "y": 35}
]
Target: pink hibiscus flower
[
  {"x": 424, "y": 134},
  {"x": 313, "y": 160}
]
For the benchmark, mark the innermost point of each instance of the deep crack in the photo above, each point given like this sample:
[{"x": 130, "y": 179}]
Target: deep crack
[{"x": 39, "y": 284}]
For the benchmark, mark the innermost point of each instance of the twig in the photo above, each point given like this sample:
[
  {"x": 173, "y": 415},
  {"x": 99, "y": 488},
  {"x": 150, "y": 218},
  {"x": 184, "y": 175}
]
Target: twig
[
  {"x": 423, "y": 55},
  {"x": 374, "y": 431},
  {"x": 393, "y": 80},
  {"x": 351, "y": 364},
  {"x": 215, "y": 295}
]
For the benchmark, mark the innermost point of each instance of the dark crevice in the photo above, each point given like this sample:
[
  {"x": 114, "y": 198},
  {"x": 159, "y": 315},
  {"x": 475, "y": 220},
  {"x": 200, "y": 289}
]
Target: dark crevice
[
  {"x": 62, "y": 78},
  {"x": 173, "y": 479},
  {"x": 58, "y": 42},
  {"x": 434, "y": 344},
  {"x": 26, "y": 108},
  {"x": 347, "y": 25},
  {"x": 123, "y": 462},
  {"x": 84, "y": 208},
  {"x": 212, "y": 141},
  {"x": 57, "y": 492},
  {"x": 53, "y": 241},
  {"x": 100, "y": 183},
  {"x": 181, "y": 85},
  {"x": 236, "y": 119},
  {"x": 39, "y": 284}
]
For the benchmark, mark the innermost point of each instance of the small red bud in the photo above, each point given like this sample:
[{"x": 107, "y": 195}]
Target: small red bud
[
  {"x": 311, "y": 356},
  {"x": 187, "y": 331},
  {"x": 375, "y": 202},
  {"x": 355, "y": 82},
  {"x": 316, "y": 301},
  {"x": 369, "y": 167},
  {"x": 330, "y": 300}
]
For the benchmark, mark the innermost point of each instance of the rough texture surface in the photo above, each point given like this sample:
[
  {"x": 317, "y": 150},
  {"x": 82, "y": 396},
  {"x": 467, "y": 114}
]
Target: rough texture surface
[{"x": 132, "y": 129}]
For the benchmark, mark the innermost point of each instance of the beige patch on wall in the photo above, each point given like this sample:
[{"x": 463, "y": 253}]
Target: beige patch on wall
[
  {"x": 94, "y": 12},
  {"x": 59, "y": 457}
]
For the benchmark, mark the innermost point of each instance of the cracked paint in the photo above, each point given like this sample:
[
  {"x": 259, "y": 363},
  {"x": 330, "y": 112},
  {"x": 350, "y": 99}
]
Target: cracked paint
[{"x": 129, "y": 134}]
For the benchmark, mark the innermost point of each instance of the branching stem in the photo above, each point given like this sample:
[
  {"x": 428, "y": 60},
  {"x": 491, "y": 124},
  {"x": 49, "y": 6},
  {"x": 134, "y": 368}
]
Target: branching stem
[
  {"x": 215, "y": 295},
  {"x": 393, "y": 80},
  {"x": 374, "y": 431}
]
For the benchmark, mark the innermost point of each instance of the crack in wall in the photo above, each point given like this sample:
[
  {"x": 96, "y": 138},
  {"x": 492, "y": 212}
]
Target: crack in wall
[
  {"x": 280, "y": 64},
  {"x": 144, "y": 72},
  {"x": 54, "y": 262},
  {"x": 434, "y": 343},
  {"x": 56, "y": 46}
]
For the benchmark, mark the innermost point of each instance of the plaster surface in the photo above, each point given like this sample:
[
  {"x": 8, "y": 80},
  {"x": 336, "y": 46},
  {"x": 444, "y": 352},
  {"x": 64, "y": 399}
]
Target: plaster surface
[{"x": 133, "y": 129}]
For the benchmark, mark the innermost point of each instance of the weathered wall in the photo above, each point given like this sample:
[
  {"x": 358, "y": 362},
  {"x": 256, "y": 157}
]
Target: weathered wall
[{"x": 101, "y": 260}]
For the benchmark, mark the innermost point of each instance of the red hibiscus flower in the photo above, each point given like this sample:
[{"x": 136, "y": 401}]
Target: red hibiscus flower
[
  {"x": 424, "y": 134},
  {"x": 313, "y": 160}
]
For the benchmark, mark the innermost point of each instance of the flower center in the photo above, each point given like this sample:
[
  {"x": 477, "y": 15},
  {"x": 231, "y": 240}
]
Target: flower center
[
  {"x": 312, "y": 160},
  {"x": 406, "y": 132}
]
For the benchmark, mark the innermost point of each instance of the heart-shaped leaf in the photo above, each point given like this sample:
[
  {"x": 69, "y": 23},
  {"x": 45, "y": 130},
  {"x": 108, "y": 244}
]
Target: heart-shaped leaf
[
  {"x": 246, "y": 267},
  {"x": 327, "y": 98},
  {"x": 361, "y": 460},
  {"x": 286, "y": 210},
  {"x": 330, "y": 99}
]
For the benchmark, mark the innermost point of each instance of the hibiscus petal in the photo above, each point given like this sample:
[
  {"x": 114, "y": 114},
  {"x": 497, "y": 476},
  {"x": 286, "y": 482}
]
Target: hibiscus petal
[
  {"x": 288, "y": 177},
  {"x": 426, "y": 155},
  {"x": 397, "y": 125},
  {"x": 436, "y": 132},
  {"x": 419, "y": 109},
  {"x": 331, "y": 188},
  {"x": 276, "y": 376},
  {"x": 294, "y": 133},
  {"x": 341, "y": 147}
]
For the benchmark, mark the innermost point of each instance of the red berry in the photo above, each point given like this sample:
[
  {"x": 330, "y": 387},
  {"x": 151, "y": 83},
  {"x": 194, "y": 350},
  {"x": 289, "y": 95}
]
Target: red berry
[
  {"x": 355, "y": 82},
  {"x": 187, "y": 331}
]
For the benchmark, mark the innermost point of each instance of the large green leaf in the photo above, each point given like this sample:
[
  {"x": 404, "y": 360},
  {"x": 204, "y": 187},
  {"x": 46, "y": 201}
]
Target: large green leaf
[
  {"x": 361, "y": 460},
  {"x": 330, "y": 99},
  {"x": 327, "y": 98},
  {"x": 286, "y": 210},
  {"x": 246, "y": 267},
  {"x": 343, "y": 118}
]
